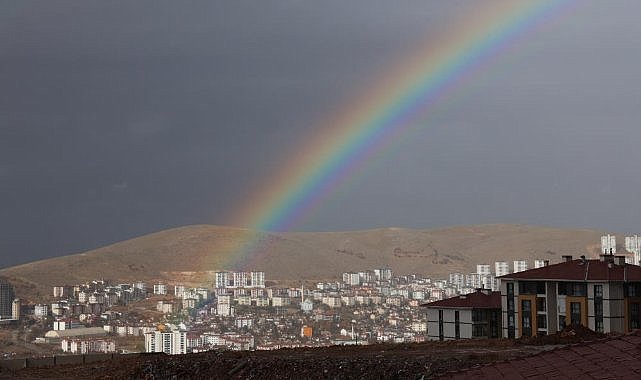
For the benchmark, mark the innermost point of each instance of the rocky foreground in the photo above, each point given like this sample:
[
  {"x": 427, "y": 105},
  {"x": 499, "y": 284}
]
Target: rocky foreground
[{"x": 380, "y": 361}]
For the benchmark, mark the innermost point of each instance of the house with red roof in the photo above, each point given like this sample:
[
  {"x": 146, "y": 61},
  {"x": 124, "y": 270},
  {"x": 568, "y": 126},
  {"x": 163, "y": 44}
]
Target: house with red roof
[
  {"x": 474, "y": 315},
  {"x": 602, "y": 294}
]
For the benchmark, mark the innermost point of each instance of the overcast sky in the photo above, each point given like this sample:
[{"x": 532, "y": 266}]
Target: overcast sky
[{"x": 119, "y": 118}]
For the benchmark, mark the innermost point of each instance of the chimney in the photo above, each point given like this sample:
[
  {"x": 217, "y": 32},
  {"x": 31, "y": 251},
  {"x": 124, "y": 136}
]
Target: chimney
[
  {"x": 619, "y": 260},
  {"x": 546, "y": 263},
  {"x": 566, "y": 258},
  {"x": 607, "y": 258}
]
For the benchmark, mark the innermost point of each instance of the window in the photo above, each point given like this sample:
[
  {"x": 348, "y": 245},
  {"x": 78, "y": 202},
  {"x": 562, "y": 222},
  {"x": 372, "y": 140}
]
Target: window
[
  {"x": 579, "y": 289},
  {"x": 540, "y": 304},
  {"x": 576, "y": 289},
  {"x": 598, "y": 308},
  {"x": 510, "y": 311},
  {"x": 541, "y": 321},
  {"x": 457, "y": 325},
  {"x": 510, "y": 289},
  {"x": 561, "y": 322},
  {"x": 575, "y": 313},
  {"x": 441, "y": 334},
  {"x": 526, "y": 317},
  {"x": 494, "y": 323},
  {"x": 479, "y": 331},
  {"x": 633, "y": 290},
  {"x": 531, "y": 287},
  {"x": 598, "y": 291},
  {"x": 635, "y": 323},
  {"x": 479, "y": 315}
]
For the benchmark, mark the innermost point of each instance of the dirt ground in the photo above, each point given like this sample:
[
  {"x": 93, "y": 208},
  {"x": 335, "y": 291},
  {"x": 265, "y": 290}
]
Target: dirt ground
[{"x": 379, "y": 361}]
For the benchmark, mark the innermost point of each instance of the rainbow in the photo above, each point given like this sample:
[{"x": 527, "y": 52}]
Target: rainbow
[{"x": 402, "y": 97}]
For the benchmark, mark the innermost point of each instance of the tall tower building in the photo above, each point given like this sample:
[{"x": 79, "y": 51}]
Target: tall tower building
[
  {"x": 7, "y": 296},
  {"x": 633, "y": 244},
  {"x": 520, "y": 265},
  {"x": 539, "y": 263},
  {"x": 483, "y": 269},
  {"x": 501, "y": 268},
  {"x": 15, "y": 309},
  {"x": 608, "y": 245}
]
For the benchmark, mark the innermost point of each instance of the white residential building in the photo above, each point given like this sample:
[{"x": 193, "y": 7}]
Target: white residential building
[
  {"x": 475, "y": 315},
  {"x": 240, "y": 279},
  {"x": 81, "y": 346},
  {"x": 608, "y": 244},
  {"x": 520, "y": 266},
  {"x": 483, "y": 269},
  {"x": 160, "y": 289},
  {"x": 179, "y": 290},
  {"x": 222, "y": 279},
  {"x": 225, "y": 310},
  {"x": 501, "y": 268},
  {"x": 351, "y": 278},
  {"x": 383, "y": 274},
  {"x": 280, "y": 301},
  {"x": 172, "y": 343},
  {"x": 457, "y": 280},
  {"x": 633, "y": 244},
  {"x": 540, "y": 263},
  {"x": 307, "y": 306},
  {"x": 165, "y": 307},
  {"x": 332, "y": 301},
  {"x": 257, "y": 279},
  {"x": 41, "y": 311}
]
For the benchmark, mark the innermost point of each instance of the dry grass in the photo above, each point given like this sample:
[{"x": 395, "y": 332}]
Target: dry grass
[{"x": 190, "y": 254}]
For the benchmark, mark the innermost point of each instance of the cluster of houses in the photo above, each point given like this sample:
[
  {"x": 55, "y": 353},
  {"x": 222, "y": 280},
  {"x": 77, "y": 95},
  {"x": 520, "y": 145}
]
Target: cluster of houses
[{"x": 602, "y": 294}]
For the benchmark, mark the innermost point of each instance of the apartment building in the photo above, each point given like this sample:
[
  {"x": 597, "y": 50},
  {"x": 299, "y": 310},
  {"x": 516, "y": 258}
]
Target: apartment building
[
  {"x": 172, "y": 342},
  {"x": 602, "y": 294},
  {"x": 520, "y": 266},
  {"x": 474, "y": 315}
]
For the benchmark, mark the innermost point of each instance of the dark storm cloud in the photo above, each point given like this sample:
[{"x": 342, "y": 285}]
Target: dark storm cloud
[{"x": 121, "y": 118}]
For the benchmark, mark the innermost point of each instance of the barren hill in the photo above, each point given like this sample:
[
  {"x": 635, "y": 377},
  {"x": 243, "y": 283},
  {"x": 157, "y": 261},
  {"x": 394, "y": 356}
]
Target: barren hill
[{"x": 189, "y": 254}]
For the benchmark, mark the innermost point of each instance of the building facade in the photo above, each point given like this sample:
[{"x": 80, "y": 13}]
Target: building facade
[
  {"x": 7, "y": 296},
  {"x": 474, "y": 315},
  {"x": 603, "y": 295},
  {"x": 172, "y": 342}
]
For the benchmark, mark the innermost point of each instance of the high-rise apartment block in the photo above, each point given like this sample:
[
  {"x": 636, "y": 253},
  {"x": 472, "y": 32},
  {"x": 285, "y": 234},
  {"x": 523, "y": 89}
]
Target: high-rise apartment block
[
  {"x": 16, "y": 305},
  {"x": 257, "y": 279},
  {"x": 351, "y": 278},
  {"x": 633, "y": 244},
  {"x": 7, "y": 296},
  {"x": 224, "y": 280},
  {"x": 160, "y": 289},
  {"x": 501, "y": 268},
  {"x": 540, "y": 263},
  {"x": 520, "y": 266},
  {"x": 483, "y": 269},
  {"x": 383, "y": 274},
  {"x": 172, "y": 342},
  {"x": 608, "y": 245}
]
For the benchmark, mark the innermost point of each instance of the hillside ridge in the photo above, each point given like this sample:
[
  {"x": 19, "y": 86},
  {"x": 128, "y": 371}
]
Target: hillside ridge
[{"x": 190, "y": 254}]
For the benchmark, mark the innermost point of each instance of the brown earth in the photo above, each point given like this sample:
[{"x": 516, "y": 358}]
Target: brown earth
[
  {"x": 191, "y": 254},
  {"x": 381, "y": 361}
]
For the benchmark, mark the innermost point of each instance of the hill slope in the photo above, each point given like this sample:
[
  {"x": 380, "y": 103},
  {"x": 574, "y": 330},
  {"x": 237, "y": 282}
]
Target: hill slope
[{"x": 190, "y": 253}]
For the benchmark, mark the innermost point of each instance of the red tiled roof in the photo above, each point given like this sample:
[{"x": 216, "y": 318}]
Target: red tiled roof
[
  {"x": 477, "y": 300},
  {"x": 579, "y": 270},
  {"x": 616, "y": 358}
]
